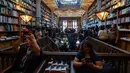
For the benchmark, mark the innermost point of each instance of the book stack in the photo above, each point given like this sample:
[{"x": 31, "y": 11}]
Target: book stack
[{"x": 57, "y": 67}]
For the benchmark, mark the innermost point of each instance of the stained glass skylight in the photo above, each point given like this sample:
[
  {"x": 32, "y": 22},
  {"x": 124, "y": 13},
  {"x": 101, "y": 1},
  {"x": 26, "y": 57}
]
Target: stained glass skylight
[{"x": 68, "y": 2}]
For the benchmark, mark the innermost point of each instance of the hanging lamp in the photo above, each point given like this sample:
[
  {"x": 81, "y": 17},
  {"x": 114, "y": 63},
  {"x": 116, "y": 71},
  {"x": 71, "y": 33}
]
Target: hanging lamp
[
  {"x": 102, "y": 15},
  {"x": 26, "y": 17}
]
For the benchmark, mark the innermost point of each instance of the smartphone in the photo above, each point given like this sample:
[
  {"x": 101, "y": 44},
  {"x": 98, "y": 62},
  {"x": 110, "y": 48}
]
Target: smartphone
[{"x": 87, "y": 59}]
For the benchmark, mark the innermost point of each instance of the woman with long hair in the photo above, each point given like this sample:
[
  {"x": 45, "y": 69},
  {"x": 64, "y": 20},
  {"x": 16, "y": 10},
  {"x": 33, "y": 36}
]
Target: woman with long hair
[{"x": 86, "y": 60}]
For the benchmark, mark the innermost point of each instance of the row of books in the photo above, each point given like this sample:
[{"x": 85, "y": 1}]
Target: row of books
[
  {"x": 119, "y": 21},
  {"x": 106, "y": 4},
  {"x": 7, "y": 11},
  {"x": 5, "y": 19},
  {"x": 112, "y": 15},
  {"x": 28, "y": 3},
  {"x": 45, "y": 9},
  {"x": 6, "y": 27},
  {"x": 121, "y": 12},
  {"x": 10, "y": 6},
  {"x": 125, "y": 20},
  {"x": 124, "y": 11},
  {"x": 3, "y": 38},
  {"x": 112, "y": 22},
  {"x": 14, "y": 6}
]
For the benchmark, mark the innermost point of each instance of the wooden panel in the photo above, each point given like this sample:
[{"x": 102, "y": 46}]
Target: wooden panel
[
  {"x": 5, "y": 44},
  {"x": 128, "y": 46},
  {"x": 122, "y": 44}
]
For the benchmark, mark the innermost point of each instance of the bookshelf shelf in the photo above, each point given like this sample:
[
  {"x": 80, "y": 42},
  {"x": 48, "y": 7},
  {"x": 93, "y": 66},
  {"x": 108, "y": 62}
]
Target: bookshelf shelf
[
  {"x": 112, "y": 18},
  {"x": 125, "y": 39},
  {"x": 124, "y": 30},
  {"x": 9, "y": 23},
  {"x": 8, "y": 40},
  {"x": 3, "y": 49},
  {"x": 25, "y": 25},
  {"x": 45, "y": 14},
  {"x": 120, "y": 8},
  {"x": 26, "y": 8},
  {"x": 8, "y": 15},
  {"x": 124, "y": 15},
  {"x": 9, "y": 31},
  {"x": 29, "y": 4},
  {"x": 125, "y": 23}
]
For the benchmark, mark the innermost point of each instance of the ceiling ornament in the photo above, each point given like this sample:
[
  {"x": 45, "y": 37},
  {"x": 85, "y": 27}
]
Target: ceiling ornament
[
  {"x": 68, "y": 8},
  {"x": 70, "y": 13}
]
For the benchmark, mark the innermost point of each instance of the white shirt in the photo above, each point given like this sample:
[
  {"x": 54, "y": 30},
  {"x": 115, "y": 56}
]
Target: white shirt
[{"x": 102, "y": 34}]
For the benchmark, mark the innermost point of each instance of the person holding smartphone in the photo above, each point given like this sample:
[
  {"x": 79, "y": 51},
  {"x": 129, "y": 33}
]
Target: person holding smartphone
[
  {"x": 86, "y": 60},
  {"x": 28, "y": 57}
]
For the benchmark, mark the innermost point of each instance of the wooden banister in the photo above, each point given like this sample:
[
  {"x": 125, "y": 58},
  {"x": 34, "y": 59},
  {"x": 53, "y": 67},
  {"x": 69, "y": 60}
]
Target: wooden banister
[
  {"x": 47, "y": 44},
  {"x": 100, "y": 46},
  {"x": 116, "y": 60}
]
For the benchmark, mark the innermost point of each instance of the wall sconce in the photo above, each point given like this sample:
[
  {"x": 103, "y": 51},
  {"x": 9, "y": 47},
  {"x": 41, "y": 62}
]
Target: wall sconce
[
  {"x": 26, "y": 18},
  {"x": 102, "y": 15}
]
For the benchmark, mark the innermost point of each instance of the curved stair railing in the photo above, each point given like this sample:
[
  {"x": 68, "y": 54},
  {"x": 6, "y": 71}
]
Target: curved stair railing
[
  {"x": 114, "y": 56},
  {"x": 47, "y": 44},
  {"x": 103, "y": 47}
]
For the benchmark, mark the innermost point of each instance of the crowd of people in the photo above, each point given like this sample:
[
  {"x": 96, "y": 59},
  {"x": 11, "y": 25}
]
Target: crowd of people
[
  {"x": 107, "y": 35},
  {"x": 69, "y": 38}
]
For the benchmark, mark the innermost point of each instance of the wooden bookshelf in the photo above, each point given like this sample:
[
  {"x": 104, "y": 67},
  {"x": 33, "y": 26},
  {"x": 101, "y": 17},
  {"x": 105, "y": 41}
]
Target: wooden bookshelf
[
  {"x": 119, "y": 16},
  {"x": 45, "y": 15},
  {"x": 91, "y": 14},
  {"x": 10, "y": 20}
]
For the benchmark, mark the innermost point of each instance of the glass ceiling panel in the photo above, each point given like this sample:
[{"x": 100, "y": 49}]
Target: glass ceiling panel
[{"x": 68, "y": 2}]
